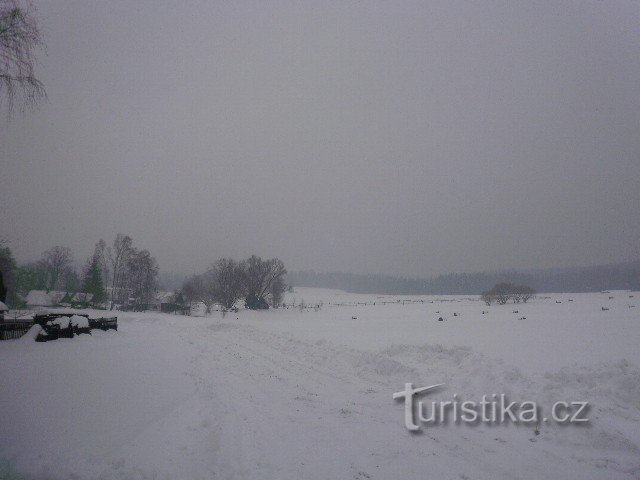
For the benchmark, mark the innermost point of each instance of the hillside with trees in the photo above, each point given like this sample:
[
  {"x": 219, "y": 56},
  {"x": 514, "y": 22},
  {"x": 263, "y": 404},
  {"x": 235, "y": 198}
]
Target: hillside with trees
[{"x": 622, "y": 276}]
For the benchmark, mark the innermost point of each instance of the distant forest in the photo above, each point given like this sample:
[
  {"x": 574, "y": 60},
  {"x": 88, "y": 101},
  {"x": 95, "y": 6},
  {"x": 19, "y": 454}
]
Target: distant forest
[{"x": 623, "y": 276}]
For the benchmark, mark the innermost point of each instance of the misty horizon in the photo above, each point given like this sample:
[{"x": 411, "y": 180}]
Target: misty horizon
[
  {"x": 79, "y": 263},
  {"x": 404, "y": 139}
]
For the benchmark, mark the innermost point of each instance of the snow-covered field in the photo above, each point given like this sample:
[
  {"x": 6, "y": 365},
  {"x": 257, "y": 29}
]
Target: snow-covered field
[{"x": 290, "y": 394}]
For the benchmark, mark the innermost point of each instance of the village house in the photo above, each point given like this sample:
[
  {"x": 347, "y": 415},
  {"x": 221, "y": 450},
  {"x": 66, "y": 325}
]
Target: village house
[{"x": 42, "y": 298}]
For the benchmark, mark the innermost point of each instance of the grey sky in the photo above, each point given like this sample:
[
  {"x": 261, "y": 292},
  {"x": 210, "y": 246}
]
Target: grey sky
[{"x": 409, "y": 138}]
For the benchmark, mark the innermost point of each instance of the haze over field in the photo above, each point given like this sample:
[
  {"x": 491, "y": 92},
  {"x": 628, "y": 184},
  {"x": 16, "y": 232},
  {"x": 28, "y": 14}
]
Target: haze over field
[{"x": 407, "y": 138}]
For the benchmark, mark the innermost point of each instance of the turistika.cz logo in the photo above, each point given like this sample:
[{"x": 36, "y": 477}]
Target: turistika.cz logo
[{"x": 493, "y": 408}]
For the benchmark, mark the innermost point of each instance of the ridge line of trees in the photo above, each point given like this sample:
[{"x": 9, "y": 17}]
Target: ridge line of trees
[{"x": 620, "y": 276}]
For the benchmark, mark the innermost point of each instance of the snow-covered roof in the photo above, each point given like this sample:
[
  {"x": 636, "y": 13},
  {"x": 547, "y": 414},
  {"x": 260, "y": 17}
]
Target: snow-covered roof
[
  {"x": 57, "y": 296},
  {"x": 38, "y": 298},
  {"x": 166, "y": 297},
  {"x": 3, "y": 307},
  {"x": 82, "y": 297}
]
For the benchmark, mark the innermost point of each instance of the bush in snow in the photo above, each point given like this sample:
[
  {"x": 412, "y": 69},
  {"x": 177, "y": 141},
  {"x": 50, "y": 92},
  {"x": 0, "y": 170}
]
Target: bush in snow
[{"x": 501, "y": 293}]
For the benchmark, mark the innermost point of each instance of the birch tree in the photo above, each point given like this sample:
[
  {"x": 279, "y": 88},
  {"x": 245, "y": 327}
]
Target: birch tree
[{"x": 119, "y": 256}]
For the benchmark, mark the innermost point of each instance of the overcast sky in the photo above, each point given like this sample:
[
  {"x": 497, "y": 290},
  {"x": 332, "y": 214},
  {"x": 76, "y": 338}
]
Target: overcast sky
[{"x": 411, "y": 138}]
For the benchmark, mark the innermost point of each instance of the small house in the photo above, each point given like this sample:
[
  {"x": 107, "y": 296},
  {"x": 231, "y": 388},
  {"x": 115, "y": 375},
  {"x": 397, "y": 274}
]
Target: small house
[
  {"x": 169, "y": 302},
  {"x": 42, "y": 298}
]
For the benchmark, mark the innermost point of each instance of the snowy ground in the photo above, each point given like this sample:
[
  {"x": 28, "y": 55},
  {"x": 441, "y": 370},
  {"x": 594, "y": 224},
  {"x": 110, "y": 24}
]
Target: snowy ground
[{"x": 290, "y": 394}]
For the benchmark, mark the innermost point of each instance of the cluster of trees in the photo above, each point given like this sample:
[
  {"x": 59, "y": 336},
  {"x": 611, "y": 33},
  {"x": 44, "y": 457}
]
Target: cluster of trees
[
  {"x": 501, "y": 293},
  {"x": 259, "y": 282},
  {"x": 118, "y": 274},
  {"x": 132, "y": 273},
  {"x": 53, "y": 271}
]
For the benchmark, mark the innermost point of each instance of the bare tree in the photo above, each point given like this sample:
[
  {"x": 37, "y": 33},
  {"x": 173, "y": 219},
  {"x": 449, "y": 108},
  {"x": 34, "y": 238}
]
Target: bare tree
[
  {"x": 19, "y": 38},
  {"x": 118, "y": 258},
  {"x": 503, "y": 292},
  {"x": 70, "y": 280},
  {"x": 100, "y": 257},
  {"x": 261, "y": 282},
  {"x": 527, "y": 293},
  {"x": 502, "y": 298},
  {"x": 226, "y": 280},
  {"x": 487, "y": 297},
  {"x": 276, "y": 292},
  {"x": 275, "y": 279},
  {"x": 140, "y": 273},
  {"x": 260, "y": 276},
  {"x": 255, "y": 276},
  {"x": 516, "y": 295},
  {"x": 56, "y": 262},
  {"x": 193, "y": 289}
]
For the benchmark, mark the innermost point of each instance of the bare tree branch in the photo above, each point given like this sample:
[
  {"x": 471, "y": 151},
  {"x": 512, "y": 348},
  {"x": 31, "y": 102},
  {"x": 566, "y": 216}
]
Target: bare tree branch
[{"x": 19, "y": 38}]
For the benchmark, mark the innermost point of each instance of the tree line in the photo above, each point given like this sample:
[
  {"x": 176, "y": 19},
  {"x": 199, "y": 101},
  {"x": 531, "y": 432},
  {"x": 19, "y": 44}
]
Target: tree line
[
  {"x": 259, "y": 282},
  {"x": 501, "y": 293},
  {"x": 115, "y": 275}
]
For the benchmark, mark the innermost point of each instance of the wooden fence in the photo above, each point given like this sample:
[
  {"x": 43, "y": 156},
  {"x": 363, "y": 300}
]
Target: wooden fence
[
  {"x": 42, "y": 318},
  {"x": 10, "y": 331},
  {"x": 105, "y": 324}
]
